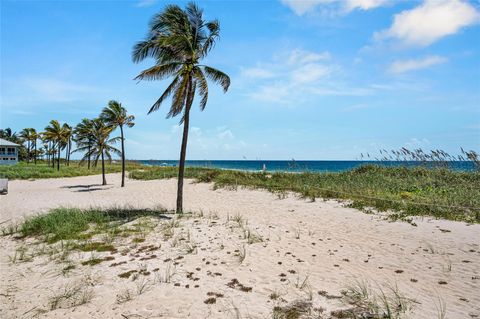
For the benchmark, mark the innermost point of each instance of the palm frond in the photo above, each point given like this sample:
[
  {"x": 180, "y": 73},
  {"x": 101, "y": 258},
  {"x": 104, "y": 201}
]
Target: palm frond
[
  {"x": 202, "y": 87},
  {"x": 218, "y": 77},
  {"x": 159, "y": 72},
  {"x": 165, "y": 95}
]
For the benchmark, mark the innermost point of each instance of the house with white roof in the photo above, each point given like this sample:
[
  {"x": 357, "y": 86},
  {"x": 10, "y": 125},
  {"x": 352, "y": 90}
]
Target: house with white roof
[{"x": 8, "y": 152}]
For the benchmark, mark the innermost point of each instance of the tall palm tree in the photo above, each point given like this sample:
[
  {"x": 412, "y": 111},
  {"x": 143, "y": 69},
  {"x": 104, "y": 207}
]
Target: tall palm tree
[
  {"x": 101, "y": 146},
  {"x": 115, "y": 115},
  {"x": 26, "y": 135},
  {"x": 67, "y": 137},
  {"x": 34, "y": 136},
  {"x": 83, "y": 136},
  {"x": 178, "y": 40},
  {"x": 55, "y": 133}
]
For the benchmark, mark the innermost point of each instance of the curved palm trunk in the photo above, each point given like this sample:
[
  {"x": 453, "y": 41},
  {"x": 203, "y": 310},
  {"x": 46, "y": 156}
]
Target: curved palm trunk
[
  {"x": 183, "y": 152},
  {"x": 123, "y": 156},
  {"x": 89, "y": 156},
  {"x": 104, "y": 182}
]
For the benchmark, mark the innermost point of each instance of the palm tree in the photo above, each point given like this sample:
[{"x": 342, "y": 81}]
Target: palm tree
[
  {"x": 101, "y": 146},
  {"x": 55, "y": 133},
  {"x": 26, "y": 135},
  {"x": 34, "y": 137},
  {"x": 7, "y": 134},
  {"x": 67, "y": 137},
  {"x": 115, "y": 115},
  {"x": 83, "y": 135},
  {"x": 178, "y": 40}
]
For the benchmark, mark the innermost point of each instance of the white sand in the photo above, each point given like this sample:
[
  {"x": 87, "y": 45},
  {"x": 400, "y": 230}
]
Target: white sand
[{"x": 336, "y": 246}]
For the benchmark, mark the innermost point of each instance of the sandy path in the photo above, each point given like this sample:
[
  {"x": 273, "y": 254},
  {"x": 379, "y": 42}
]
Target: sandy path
[{"x": 329, "y": 244}]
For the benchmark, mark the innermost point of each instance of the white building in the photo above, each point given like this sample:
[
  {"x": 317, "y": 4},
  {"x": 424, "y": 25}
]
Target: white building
[{"x": 8, "y": 152}]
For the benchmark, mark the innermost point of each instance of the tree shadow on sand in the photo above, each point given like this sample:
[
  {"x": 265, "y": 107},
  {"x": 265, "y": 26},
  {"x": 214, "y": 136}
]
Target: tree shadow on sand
[{"x": 87, "y": 188}]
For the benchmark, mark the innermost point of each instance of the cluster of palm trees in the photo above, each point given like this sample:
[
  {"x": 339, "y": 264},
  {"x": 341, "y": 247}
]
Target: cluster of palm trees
[
  {"x": 91, "y": 136},
  {"x": 178, "y": 40}
]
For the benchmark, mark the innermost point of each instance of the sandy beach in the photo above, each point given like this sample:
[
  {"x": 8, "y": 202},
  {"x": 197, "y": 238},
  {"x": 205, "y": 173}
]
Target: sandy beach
[{"x": 295, "y": 250}]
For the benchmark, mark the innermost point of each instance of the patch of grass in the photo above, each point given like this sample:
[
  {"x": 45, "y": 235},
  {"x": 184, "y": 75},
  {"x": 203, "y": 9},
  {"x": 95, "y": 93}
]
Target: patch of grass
[
  {"x": 295, "y": 310},
  {"x": 413, "y": 191},
  {"x": 95, "y": 261},
  {"x": 71, "y": 296},
  {"x": 42, "y": 170},
  {"x": 96, "y": 246},
  {"x": 73, "y": 223},
  {"x": 386, "y": 303},
  {"x": 124, "y": 296}
]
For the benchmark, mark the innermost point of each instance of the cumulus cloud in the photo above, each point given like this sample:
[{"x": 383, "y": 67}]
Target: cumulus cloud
[
  {"x": 302, "y": 76},
  {"x": 301, "y": 7},
  {"x": 402, "y": 66},
  {"x": 430, "y": 21}
]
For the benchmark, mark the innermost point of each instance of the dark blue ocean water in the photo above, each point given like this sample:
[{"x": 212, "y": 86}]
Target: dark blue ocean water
[{"x": 295, "y": 166}]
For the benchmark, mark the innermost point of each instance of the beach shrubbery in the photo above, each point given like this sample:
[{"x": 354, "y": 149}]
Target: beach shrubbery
[
  {"x": 73, "y": 223},
  {"x": 30, "y": 171},
  {"x": 409, "y": 191}
]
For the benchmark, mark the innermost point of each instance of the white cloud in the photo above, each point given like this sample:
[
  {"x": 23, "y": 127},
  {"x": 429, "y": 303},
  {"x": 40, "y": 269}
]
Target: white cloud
[
  {"x": 417, "y": 143},
  {"x": 277, "y": 93},
  {"x": 402, "y": 66},
  {"x": 309, "y": 73},
  {"x": 301, "y": 76},
  {"x": 146, "y": 3},
  {"x": 351, "y": 5},
  {"x": 57, "y": 90},
  {"x": 257, "y": 73},
  {"x": 226, "y": 134},
  {"x": 301, "y": 7},
  {"x": 27, "y": 92},
  {"x": 298, "y": 56},
  {"x": 430, "y": 21}
]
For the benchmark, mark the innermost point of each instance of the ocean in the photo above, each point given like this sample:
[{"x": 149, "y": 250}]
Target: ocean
[{"x": 296, "y": 166}]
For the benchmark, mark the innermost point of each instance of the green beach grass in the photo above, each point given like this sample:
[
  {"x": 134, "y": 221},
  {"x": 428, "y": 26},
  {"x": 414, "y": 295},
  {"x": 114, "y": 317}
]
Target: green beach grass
[
  {"x": 73, "y": 223},
  {"x": 418, "y": 191},
  {"x": 439, "y": 192},
  {"x": 42, "y": 170}
]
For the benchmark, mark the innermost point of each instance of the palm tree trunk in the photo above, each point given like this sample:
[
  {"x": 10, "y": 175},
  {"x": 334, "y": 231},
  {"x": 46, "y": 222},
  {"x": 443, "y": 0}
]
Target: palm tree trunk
[
  {"x": 123, "y": 156},
  {"x": 53, "y": 155},
  {"x": 58, "y": 158},
  {"x": 66, "y": 154},
  {"x": 89, "y": 155},
  {"x": 183, "y": 152},
  {"x": 28, "y": 152},
  {"x": 104, "y": 182},
  {"x": 69, "y": 151},
  {"x": 35, "y": 152}
]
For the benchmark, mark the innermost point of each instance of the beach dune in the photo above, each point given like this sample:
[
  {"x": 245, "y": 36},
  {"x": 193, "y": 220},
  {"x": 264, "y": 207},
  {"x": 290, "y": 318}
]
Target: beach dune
[{"x": 252, "y": 252}]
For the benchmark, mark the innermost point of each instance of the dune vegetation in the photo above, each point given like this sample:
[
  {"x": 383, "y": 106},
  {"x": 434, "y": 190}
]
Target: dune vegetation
[
  {"x": 24, "y": 170},
  {"x": 408, "y": 191}
]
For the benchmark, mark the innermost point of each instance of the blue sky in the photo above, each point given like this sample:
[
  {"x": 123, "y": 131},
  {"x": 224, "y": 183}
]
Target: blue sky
[{"x": 322, "y": 79}]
